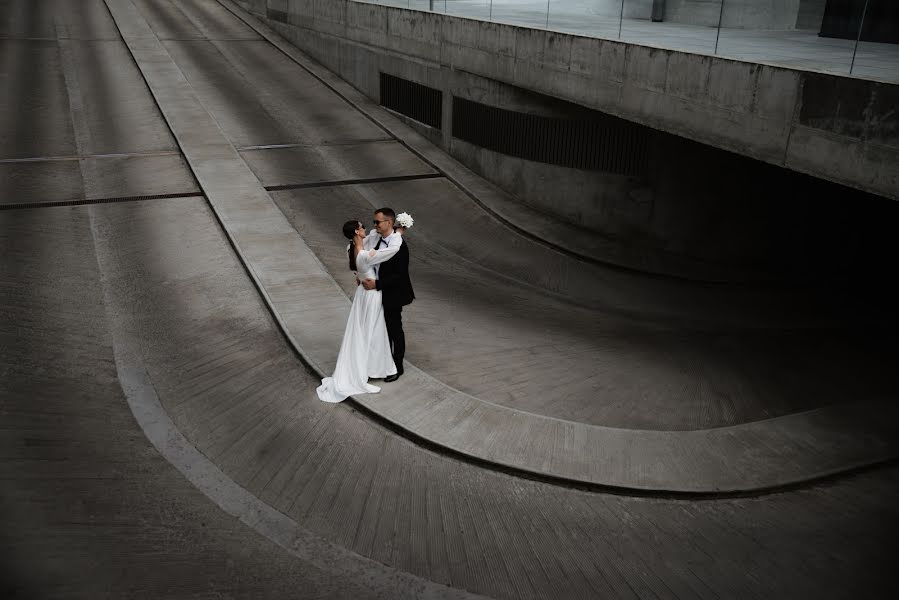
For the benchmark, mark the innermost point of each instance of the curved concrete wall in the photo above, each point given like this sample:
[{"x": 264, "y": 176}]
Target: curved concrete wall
[{"x": 840, "y": 129}]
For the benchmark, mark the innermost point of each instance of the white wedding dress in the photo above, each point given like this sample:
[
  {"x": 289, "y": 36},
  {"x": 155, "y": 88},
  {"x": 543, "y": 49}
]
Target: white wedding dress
[{"x": 365, "y": 349}]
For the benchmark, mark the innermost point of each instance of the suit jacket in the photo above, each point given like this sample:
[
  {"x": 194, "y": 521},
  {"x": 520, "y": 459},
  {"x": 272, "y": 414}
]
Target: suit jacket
[{"x": 393, "y": 280}]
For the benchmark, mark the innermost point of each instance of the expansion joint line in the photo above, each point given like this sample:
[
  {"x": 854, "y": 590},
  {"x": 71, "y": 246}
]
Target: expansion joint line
[
  {"x": 361, "y": 181},
  {"x": 86, "y": 201}
]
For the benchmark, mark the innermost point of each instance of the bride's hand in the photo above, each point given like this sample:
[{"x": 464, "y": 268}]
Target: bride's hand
[{"x": 400, "y": 230}]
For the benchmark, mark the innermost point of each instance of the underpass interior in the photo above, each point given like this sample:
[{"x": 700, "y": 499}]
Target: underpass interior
[{"x": 138, "y": 259}]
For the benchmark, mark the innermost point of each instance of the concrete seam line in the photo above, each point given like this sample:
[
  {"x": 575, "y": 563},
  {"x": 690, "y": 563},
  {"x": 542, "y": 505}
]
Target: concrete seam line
[
  {"x": 350, "y": 182},
  {"x": 87, "y": 201},
  {"x": 72, "y": 157}
]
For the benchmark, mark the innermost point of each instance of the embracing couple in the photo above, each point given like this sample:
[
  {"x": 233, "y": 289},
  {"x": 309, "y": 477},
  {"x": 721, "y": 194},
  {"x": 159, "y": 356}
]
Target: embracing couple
[{"x": 373, "y": 341}]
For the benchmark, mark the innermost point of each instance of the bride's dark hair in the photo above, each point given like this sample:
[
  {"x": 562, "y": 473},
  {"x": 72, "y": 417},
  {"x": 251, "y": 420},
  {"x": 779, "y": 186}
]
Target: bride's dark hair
[{"x": 349, "y": 232}]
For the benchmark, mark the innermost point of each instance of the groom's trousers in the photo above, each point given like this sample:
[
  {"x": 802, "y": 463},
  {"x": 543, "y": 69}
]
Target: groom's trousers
[{"x": 393, "y": 319}]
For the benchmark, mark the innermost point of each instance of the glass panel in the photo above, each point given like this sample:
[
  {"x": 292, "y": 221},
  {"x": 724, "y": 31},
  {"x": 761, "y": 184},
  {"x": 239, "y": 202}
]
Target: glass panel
[
  {"x": 877, "y": 52},
  {"x": 594, "y": 18},
  {"x": 806, "y": 34},
  {"x": 527, "y": 13},
  {"x": 837, "y": 36},
  {"x": 397, "y": 3},
  {"x": 425, "y": 5},
  {"x": 472, "y": 9},
  {"x": 689, "y": 25}
]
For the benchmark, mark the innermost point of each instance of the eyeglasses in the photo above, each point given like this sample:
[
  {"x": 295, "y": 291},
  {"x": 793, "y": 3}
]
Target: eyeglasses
[{"x": 376, "y": 222}]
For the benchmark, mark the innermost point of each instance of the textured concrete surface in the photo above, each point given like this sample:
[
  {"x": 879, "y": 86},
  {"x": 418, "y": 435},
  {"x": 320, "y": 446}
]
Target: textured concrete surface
[{"x": 90, "y": 509}]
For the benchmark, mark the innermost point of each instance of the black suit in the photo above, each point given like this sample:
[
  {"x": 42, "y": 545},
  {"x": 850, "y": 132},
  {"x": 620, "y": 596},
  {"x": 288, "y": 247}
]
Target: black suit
[{"x": 396, "y": 292}]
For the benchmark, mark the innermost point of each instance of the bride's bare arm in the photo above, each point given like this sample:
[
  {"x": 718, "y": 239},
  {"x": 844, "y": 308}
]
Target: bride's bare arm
[{"x": 376, "y": 257}]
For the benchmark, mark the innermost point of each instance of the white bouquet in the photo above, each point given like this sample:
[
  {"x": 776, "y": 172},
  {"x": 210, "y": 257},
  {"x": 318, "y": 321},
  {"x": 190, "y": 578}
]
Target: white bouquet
[{"x": 404, "y": 220}]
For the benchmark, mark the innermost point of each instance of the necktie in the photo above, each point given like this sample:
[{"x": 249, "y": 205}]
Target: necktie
[{"x": 380, "y": 241}]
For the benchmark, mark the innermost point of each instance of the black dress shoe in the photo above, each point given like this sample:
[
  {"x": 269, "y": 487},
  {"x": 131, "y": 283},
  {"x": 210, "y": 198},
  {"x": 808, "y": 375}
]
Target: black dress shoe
[{"x": 393, "y": 377}]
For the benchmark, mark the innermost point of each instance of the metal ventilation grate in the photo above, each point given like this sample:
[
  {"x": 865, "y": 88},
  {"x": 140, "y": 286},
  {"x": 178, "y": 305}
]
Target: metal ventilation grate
[
  {"x": 596, "y": 143},
  {"x": 419, "y": 102}
]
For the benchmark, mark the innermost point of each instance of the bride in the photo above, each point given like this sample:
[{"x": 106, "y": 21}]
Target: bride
[{"x": 365, "y": 350}]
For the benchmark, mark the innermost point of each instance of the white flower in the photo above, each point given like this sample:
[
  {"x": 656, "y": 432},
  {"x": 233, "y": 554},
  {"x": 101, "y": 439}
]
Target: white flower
[{"x": 404, "y": 220}]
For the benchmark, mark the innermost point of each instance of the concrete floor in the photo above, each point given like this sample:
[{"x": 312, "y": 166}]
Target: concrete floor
[
  {"x": 797, "y": 49},
  {"x": 91, "y": 509}
]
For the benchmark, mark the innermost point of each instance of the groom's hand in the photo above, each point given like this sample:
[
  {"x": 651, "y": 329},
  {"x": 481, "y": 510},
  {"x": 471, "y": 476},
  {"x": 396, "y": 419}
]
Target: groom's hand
[{"x": 368, "y": 284}]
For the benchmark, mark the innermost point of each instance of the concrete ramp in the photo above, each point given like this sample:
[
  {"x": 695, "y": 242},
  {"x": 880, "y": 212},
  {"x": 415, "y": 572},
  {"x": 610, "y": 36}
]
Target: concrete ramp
[{"x": 524, "y": 356}]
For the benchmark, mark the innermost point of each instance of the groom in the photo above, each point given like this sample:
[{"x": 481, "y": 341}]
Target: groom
[{"x": 394, "y": 284}]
